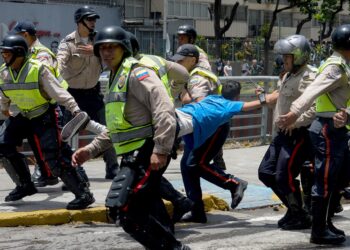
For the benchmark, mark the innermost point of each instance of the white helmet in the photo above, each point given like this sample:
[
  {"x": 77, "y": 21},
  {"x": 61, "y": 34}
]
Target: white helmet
[{"x": 296, "y": 45}]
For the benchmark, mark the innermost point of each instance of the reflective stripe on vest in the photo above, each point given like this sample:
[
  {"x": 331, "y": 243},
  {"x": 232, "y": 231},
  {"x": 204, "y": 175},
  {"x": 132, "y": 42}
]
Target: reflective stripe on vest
[
  {"x": 159, "y": 66},
  {"x": 208, "y": 74},
  {"x": 125, "y": 137},
  {"x": 24, "y": 90},
  {"x": 201, "y": 51},
  {"x": 324, "y": 104},
  {"x": 54, "y": 70}
]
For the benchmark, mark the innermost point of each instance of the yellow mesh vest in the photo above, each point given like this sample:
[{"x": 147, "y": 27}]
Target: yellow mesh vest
[{"x": 24, "y": 89}]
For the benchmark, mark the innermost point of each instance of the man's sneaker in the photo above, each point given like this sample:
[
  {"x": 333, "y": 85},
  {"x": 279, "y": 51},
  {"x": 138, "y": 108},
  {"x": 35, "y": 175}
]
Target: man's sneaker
[
  {"x": 238, "y": 192},
  {"x": 41, "y": 181},
  {"x": 81, "y": 202},
  {"x": 77, "y": 123},
  {"x": 21, "y": 191},
  {"x": 181, "y": 206}
]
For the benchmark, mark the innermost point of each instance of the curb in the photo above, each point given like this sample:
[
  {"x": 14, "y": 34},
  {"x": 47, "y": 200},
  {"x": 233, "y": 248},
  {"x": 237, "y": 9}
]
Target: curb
[{"x": 95, "y": 214}]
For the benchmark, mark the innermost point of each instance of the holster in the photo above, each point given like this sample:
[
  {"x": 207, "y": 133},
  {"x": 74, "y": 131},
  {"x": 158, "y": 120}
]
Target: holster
[{"x": 121, "y": 187}]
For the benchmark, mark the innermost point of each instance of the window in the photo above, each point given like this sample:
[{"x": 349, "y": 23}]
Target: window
[
  {"x": 134, "y": 8},
  {"x": 241, "y": 13},
  {"x": 254, "y": 17},
  {"x": 284, "y": 19},
  {"x": 187, "y": 9}
]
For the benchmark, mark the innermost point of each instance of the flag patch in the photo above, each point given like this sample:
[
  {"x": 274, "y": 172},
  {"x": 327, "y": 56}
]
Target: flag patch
[{"x": 142, "y": 74}]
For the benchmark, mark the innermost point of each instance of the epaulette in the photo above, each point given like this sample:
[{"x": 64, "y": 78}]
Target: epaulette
[{"x": 68, "y": 38}]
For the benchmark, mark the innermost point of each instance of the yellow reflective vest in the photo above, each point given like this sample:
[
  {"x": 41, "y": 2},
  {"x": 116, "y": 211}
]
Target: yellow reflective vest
[
  {"x": 324, "y": 102},
  {"x": 125, "y": 136},
  {"x": 158, "y": 64},
  {"x": 54, "y": 70},
  {"x": 208, "y": 74},
  {"x": 23, "y": 90}
]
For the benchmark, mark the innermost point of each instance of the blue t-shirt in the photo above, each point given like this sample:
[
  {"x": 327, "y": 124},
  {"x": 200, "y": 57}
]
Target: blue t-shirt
[{"x": 209, "y": 114}]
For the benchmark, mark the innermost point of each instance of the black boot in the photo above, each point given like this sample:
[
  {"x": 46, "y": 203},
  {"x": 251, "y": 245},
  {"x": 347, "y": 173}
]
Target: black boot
[
  {"x": 83, "y": 197},
  {"x": 41, "y": 180},
  {"x": 288, "y": 214},
  {"x": 320, "y": 233},
  {"x": 18, "y": 170},
  {"x": 181, "y": 203},
  {"x": 20, "y": 192},
  {"x": 333, "y": 203},
  {"x": 152, "y": 235},
  {"x": 300, "y": 219},
  {"x": 182, "y": 206},
  {"x": 197, "y": 214}
]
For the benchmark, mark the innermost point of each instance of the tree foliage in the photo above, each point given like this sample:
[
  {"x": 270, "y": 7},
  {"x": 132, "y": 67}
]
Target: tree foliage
[
  {"x": 218, "y": 29},
  {"x": 328, "y": 9}
]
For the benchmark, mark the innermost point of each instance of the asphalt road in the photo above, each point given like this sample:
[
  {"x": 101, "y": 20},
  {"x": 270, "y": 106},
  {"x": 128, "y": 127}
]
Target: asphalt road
[{"x": 238, "y": 229}]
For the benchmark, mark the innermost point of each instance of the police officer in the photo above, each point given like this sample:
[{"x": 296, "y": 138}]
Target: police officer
[
  {"x": 42, "y": 175},
  {"x": 81, "y": 69},
  {"x": 187, "y": 34},
  {"x": 290, "y": 148},
  {"x": 141, "y": 123},
  {"x": 331, "y": 91},
  {"x": 175, "y": 76},
  {"x": 34, "y": 89},
  {"x": 191, "y": 168}
]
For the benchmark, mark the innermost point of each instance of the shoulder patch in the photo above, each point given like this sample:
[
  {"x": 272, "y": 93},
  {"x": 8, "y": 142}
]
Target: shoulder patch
[
  {"x": 141, "y": 73},
  {"x": 194, "y": 80}
]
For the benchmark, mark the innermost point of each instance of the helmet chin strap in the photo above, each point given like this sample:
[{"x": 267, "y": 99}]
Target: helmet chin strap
[
  {"x": 92, "y": 32},
  {"x": 13, "y": 58}
]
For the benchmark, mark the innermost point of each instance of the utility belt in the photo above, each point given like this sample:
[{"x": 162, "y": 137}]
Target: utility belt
[
  {"x": 85, "y": 92},
  {"x": 30, "y": 114}
]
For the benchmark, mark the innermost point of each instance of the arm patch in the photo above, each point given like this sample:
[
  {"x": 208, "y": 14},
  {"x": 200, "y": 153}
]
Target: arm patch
[{"x": 141, "y": 74}]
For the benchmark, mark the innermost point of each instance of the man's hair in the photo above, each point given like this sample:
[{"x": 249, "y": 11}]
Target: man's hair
[{"x": 231, "y": 90}]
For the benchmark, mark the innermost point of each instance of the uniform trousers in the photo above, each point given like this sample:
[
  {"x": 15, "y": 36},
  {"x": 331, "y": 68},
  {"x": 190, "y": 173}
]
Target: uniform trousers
[{"x": 144, "y": 216}]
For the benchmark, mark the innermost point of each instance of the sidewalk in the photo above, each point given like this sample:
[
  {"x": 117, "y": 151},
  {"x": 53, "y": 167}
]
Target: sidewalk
[{"x": 48, "y": 205}]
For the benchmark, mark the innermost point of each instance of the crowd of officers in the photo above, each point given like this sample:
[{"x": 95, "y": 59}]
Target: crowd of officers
[{"x": 142, "y": 127}]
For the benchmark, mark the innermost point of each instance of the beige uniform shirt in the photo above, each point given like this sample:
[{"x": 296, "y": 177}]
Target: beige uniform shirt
[
  {"x": 49, "y": 88},
  {"x": 201, "y": 86},
  {"x": 332, "y": 80},
  {"x": 79, "y": 70},
  {"x": 147, "y": 102},
  {"x": 203, "y": 61},
  {"x": 43, "y": 56},
  {"x": 178, "y": 77},
  {"x": 290, "y": 88}
]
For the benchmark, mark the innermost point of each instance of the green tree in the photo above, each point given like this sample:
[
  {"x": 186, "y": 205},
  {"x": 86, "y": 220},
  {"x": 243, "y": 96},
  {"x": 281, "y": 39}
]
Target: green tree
[
  {"x": 326, "y": 16},
  {"x": 309, "y": 9},
  {"x": 267, "y": 28},
  {"x": 215, "y": 11}
]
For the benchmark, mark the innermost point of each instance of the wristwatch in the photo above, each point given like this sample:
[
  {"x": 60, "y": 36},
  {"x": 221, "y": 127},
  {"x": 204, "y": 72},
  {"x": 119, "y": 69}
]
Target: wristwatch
[{"x": 262, "y": 98}]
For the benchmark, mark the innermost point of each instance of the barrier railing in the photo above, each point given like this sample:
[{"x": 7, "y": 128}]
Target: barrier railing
[{"x": 246, "y": 126}]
